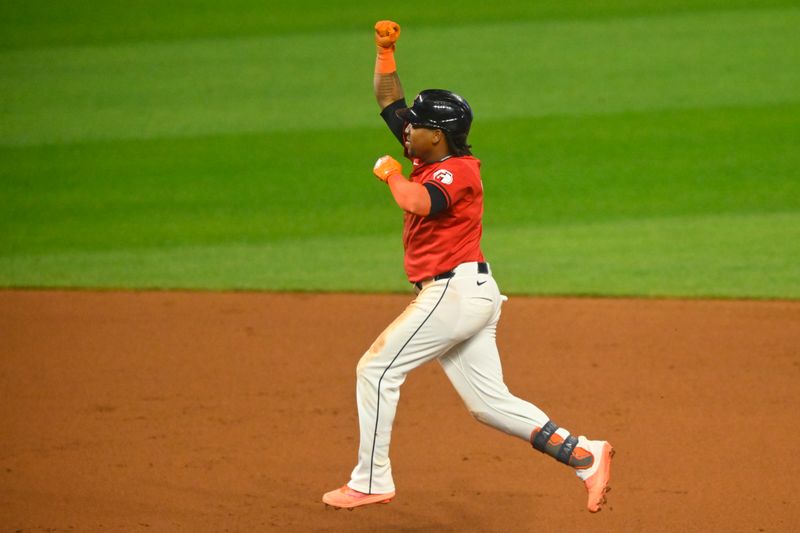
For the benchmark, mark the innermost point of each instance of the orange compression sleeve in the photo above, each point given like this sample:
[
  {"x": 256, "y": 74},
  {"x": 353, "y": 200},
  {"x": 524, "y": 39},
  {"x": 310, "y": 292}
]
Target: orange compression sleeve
[
  {"x": 384, "y": 63},
  {"x": 410, "y": 196}
]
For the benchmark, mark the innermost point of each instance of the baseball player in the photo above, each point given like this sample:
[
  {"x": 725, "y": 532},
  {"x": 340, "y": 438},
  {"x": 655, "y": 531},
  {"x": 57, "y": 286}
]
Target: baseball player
[{"x": 453, "y": 318}]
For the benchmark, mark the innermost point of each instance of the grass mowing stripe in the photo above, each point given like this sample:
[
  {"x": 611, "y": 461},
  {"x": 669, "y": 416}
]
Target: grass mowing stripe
[
  {"x": 343, "y": 263},
  {"x": 558, "y": 170},
  {"x": 709, "y": 256},
  {"x": 36, "y": 23},
  {"x": 271, "y": 187},
  {"x": 696, "y": 256},
  {"x": 310, "y": 81}
]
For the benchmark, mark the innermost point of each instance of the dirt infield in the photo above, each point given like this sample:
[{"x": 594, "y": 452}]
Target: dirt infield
[{"x": 235, "y": 412}]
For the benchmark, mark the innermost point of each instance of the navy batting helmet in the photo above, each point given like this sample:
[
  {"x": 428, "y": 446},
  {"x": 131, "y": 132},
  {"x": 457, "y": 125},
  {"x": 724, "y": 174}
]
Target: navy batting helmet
[{"x": 440, "y": 109}]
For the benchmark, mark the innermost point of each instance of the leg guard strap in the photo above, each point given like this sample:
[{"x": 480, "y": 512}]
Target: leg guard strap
[
  {"x": 539, "y": 442},
  {"x": 565, "y": 452},
  {"x": 547, "y": 441}
]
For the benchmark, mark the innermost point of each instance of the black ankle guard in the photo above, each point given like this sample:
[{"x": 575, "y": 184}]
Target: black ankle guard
[{"x": 562, "y": 452}]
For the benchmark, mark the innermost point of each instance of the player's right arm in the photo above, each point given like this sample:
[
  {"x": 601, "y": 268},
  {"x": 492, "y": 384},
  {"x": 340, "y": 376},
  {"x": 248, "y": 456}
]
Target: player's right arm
[
  {"x": 386, "y": 82},
  {"x": 410, "y": 196}
]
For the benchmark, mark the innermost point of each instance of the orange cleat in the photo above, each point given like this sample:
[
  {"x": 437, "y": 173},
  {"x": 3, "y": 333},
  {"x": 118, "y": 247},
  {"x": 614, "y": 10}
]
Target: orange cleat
[
  {"x": 598, "y": 475},
  {"x": 347, "y": 498}
]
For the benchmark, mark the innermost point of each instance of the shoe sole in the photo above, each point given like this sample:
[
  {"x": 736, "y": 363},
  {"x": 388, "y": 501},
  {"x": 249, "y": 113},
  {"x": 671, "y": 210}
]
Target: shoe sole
[
  {"x": 360, "y": 503},
  {"x": 610, "y": 452},
  {"x": 355, "y": 505}
]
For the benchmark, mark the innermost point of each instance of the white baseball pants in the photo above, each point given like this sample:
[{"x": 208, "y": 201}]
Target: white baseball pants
[{"x": 453, "y": 320}]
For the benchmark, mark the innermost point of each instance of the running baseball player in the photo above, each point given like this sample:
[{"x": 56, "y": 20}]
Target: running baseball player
[{"x": 454, "y": 316}]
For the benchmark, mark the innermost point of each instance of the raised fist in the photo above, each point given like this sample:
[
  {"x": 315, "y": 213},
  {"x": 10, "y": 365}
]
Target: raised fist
[{"x": 386, "y": 33}]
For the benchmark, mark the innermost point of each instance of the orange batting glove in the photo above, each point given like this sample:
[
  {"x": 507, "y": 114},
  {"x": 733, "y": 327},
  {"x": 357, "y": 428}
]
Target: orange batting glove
[
  {"x": 387, "y": 166},
  {"x": 386, "y": 34}
]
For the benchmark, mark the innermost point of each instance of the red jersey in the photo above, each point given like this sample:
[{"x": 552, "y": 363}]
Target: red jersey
[{"x": 440, "y": 242}]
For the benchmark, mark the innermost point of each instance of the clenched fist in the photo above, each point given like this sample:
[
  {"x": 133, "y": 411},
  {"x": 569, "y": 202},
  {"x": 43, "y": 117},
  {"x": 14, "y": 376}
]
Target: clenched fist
[
  {"x": 386, "y": 33},
  {"x": 387, "y": 166}
]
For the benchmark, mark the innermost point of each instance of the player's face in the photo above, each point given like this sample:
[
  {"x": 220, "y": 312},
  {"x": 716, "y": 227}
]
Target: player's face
[{"x": 420, "y": 141}]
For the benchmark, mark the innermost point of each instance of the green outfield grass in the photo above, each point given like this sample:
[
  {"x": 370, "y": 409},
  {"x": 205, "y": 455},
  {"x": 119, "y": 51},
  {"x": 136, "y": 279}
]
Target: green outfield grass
[{"x": 629, "y": 148}]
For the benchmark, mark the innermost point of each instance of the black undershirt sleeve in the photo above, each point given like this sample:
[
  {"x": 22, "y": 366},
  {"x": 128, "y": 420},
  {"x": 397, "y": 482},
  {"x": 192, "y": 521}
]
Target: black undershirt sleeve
[
  {"x": 438, "y": 200},
  {"x": 394, "y": 122}
]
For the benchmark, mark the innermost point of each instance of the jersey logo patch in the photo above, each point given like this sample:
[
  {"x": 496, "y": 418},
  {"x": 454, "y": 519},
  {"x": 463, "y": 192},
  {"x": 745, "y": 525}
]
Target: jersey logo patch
[{"x": 445, "y": 176}]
